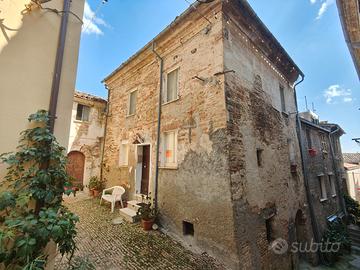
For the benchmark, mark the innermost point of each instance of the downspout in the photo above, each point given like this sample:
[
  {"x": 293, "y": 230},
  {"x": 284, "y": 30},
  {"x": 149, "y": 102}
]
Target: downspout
[
  {"x": 305, "y": 174},
  {"x": 158, "y": 128},
  {"x": 341, "y": 198},
  {"x": 105, "y": 128},
  {"x": 58, "y": 65}
]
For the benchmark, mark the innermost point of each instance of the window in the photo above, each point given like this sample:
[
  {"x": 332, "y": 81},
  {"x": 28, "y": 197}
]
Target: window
[
  {"x": 172, "y": 82},
  {"x": 123, "y": 154},
  {"x": 324, "y": 145},
  {"x": 259, "y": 157},
  {"x": 282, "y": 98},
  {"x": 332, "y": 185},
  {"x": 82, "y": 112},
  {"x": 269, "y": 229},
  {"x": 169, "y": 150},
  {"x": 132, "y": 103},
  {"x": 322, "y": 185},
  {"x": 188, "y": 228},
  {"x": 308, "y": 138}
]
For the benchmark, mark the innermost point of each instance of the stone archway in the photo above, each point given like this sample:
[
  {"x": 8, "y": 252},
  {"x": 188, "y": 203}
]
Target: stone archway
[{"x": 75, "y": 167}]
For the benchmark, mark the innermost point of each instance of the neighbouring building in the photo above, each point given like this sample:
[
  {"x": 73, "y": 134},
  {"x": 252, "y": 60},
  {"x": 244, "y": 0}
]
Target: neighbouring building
[
  {"x": 229, "y": 175},
  {"x": 86, "y": 137},
  {"x": 352, "y": 168},
  {"x": 325, "y": 173},
  {"x": 349, "y": 12},
  {"x": 29, "y": 39}
]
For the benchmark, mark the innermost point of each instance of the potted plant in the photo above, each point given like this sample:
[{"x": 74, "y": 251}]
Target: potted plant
[
  {"x": 147, "y": 213},
  {"x": 95, "y": 186},
  {"x": 312, "y": 152}
]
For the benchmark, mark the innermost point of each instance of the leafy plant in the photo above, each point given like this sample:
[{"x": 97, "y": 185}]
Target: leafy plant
[
  {"x": 95, "y": 183},
  {"x": 31, "y": 207},
  {"x": 353, "y": 209},
  {"x": 146, "y": 210},
  {"x": 82, "y": 264}
]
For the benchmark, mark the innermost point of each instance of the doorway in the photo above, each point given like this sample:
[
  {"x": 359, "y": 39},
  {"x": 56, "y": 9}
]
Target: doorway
[
  {"x": 143, "y": 169},
  {"x": 75, "y": 167}
]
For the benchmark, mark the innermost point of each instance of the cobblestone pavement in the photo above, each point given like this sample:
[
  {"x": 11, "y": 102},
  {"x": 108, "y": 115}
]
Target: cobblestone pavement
[{"x": 126, "y": 246}]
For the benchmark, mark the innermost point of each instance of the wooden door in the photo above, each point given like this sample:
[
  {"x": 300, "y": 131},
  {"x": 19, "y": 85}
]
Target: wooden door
[
  {"x": 75, "y": 167},
  {"x": 145, "y": 175}
]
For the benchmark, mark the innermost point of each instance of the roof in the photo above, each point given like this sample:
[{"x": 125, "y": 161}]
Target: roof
[
  {"x": 350, "y": 166},
  {"x": 350, "y": 20},
  {"x": 326, "y": 127},
  {"x": 353, "y": 158},
  {"x": 246, "y": 9},
  {"x": 87, "y": 96}
]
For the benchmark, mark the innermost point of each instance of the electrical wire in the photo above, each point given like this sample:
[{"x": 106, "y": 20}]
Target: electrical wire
[
  {"x": 94, "y": 15},
  {"x": 202, "y": 15}
]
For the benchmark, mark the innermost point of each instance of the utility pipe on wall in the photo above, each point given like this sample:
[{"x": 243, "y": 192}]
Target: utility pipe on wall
[
  {"x": 58, "y": 65},
  {"x": 158, "y": 128}
]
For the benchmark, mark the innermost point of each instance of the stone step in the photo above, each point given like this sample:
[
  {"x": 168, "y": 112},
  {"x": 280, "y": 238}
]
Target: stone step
[
  {"x": 355, "y": 242},
  {"x": 129, "y": 214},
  {"x": 133, "y": 205},
  {"x": 355, "y": 264},
  {"x": 354, "y": 233}
]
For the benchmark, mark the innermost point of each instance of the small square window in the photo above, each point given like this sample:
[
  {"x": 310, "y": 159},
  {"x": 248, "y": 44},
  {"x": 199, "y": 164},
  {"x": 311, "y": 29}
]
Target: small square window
[
  {"x": 123, "y": 154},
  {"x": 188, "y": 228},
  {"x": 82, "y": 112},
  {"x": 132, "y": 103},
  {"x": 172, "y": 82},
  {"x": 308, "y": 138},
  {"x": 322, "y": 185},
  {"x": 169, "y": 149}
]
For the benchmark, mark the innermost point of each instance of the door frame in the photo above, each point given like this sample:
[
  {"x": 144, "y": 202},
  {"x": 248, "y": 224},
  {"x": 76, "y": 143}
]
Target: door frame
[
  {"x": 137, "y": 167},
  {"x": 84, "y": 163}
]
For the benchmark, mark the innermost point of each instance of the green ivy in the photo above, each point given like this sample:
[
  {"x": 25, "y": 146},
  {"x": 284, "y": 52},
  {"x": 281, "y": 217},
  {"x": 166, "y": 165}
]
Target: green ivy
[
  {"x": 353, "y": 209},
  {"x": 31, "y": 207}
]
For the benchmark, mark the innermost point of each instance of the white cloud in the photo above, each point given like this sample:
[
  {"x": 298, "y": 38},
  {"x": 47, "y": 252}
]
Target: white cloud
[
  {"x": 324, "y": 7},
  {"x": 336, "y": 93},
  {"x": 92, "y": 23},
  {"x": 312, "y": 1}
]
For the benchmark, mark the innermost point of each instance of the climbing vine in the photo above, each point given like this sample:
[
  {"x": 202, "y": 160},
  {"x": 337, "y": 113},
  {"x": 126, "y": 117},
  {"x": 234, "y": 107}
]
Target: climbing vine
[{"x": 31, "y": 211}]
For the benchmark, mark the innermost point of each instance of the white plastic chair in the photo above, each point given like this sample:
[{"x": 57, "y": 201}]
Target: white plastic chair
[{"x": 115, "y": 196}]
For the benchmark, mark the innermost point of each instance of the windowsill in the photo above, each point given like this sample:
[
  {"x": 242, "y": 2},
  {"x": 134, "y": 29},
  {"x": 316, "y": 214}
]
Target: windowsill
[
  {"x": 323, "y": 200},
  {"x": 123, "y": 166},
  {"x": 130, "y": 115},
  {"x": 81, "y": 122},
  {"x": 333, "y": 195},
  {"x": 168, "y": 102},
  {"x": 174, "y": 167}
]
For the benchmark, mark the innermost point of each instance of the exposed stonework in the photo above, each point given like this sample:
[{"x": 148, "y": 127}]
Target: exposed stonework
[
  {"x": 86, "y": 136},
  {"x": 229, "y": 107}
]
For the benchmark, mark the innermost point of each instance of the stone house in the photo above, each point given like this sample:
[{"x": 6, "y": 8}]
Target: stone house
[
  {"x": 324, "y": 170},
  {"x": 352, "y": 168},
  {"x": 86, "y": 137},
  {"x": 203, "y": 119}
]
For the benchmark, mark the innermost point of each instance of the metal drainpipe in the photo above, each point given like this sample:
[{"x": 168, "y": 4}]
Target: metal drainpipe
[
  {"x": 158, "y": 128},
  {"x": 104, "y": 140},
  {"x": 341, "y": 198},
  {"x": 58, "y": 65},
  {"x": 306, "y": 178}
]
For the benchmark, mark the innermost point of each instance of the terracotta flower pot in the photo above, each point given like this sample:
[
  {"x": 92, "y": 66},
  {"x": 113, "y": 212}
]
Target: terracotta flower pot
[
  {"x": 147, "y": 224},
  {"x": 96, "y": 193},
  {"x": 91, "y": 192},
  {"x": 312, "y": 152}
]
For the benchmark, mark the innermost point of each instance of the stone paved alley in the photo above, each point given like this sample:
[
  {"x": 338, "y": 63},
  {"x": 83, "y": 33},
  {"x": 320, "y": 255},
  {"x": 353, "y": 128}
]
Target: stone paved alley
[{"x": 126, "y": 246}]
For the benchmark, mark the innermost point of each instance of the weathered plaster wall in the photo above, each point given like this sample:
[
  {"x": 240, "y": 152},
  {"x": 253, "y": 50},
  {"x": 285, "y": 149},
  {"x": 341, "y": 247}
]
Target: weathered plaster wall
[
  {"x": 87, "y": 137},
  {"x": 198, "y": 189},
  {"x": 353, "y": 183},
  {"x": 255, "y": 121},
  {"x": 28, "y": 43}
]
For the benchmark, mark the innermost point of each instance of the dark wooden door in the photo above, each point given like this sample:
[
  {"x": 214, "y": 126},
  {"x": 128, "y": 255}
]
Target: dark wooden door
[
  {"x": 75, "y": 167},
  {"x": 145, "y": 170}
]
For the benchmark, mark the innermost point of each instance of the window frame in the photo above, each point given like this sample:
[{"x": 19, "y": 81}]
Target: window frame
[
  {"x": 331, "y": 179},
  {"x": 165, "y": 164},
  {"x": 282, "y": 98},
  {"x": 165, "y": 92},
  {"x": 128, "y": 113},
  {"x": 124, "y": 163},
  {"x": 82, "y": 112},
  {"x": 322, "y": 186}
]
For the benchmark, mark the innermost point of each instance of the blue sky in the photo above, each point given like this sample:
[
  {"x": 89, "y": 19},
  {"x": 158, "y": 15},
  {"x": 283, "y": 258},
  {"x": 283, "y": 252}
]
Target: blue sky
[{"x": 309, "y": 30}]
